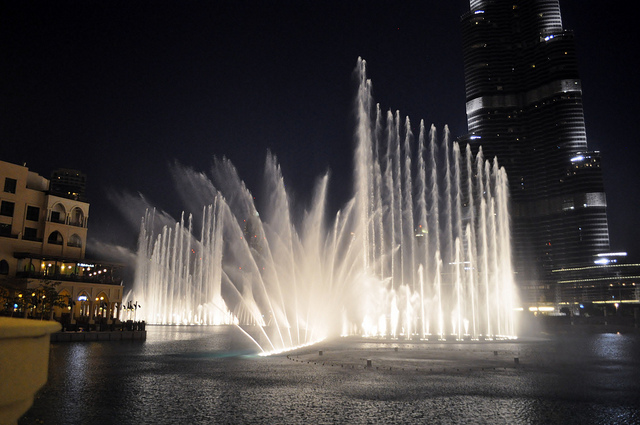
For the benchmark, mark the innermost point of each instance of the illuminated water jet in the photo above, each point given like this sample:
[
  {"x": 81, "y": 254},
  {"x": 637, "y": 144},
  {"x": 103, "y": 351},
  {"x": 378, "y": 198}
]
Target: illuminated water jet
[{"x": 422, "y": 250}]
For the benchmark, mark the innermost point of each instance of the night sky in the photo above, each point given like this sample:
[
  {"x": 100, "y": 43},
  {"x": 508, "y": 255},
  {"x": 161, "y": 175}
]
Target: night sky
[{"x": 121, "y": 89}]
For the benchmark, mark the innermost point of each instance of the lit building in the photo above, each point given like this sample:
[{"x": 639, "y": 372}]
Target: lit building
[
  {"x": 524, "y": 105},
  {"x": 42, "y": 243},
  {"x": 68, "y": 183},
  {"x": 608, "y": 280}
]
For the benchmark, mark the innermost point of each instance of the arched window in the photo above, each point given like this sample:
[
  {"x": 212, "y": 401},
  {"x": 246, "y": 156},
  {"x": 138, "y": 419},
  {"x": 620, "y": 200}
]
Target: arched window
[
  {"x": 75, "y": 241},
  {"x": 65, "y": 301},
  {"x": 77, "y": 217},
  {"x": 55, "y": 238},
  {"x": 85, "y": 303},
  {"x": 102, "y": 297},
  {"x": 4, "y": 267},
  {"x": 58, "y": 213},
  {"x": 102, "y": 305}
]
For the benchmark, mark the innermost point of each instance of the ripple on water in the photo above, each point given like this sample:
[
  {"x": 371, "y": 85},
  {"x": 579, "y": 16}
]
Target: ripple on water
[{"x": 207, "y": 378}]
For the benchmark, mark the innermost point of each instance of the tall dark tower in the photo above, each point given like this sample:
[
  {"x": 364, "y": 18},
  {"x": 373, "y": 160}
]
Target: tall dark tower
[
  {"x": 524, "y": 105},
  {"x": 68, "y": 183}
]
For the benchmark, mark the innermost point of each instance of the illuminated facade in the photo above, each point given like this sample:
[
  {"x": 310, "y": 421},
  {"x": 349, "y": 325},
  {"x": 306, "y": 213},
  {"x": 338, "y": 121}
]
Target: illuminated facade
[
  {"x": 607, "y": 279},
  {"x": 524, "y": 105},
  {"x": 43, "y": 241}
]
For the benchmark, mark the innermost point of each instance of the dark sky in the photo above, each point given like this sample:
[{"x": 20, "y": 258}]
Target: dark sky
[{"x": 121, "y": 89}]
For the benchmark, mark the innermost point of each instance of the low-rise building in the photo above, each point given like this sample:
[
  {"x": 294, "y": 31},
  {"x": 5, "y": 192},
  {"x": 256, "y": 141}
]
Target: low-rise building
[{"x": 43, "y": 237}]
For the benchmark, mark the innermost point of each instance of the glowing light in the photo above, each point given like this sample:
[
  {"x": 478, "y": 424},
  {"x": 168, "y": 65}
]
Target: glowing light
[
  {"x": 613, "y": 254},
  {"x": 543, "y": 309},
  {"x": 577, "y": 158}
]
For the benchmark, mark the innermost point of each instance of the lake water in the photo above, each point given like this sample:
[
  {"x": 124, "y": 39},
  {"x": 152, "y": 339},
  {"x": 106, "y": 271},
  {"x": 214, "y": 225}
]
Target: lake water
[{"x": 205, "y": 375}]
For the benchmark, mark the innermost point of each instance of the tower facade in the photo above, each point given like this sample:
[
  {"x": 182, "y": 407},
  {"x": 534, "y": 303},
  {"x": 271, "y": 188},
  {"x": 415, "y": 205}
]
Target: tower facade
[
  {"x": 524, "y": 105},
  {"x": 68, "y": 183}
]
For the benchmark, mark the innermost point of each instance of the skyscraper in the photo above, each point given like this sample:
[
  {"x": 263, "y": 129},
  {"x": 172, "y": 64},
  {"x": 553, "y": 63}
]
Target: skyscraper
[
  {"x": 524, "y": 105},
  {"x": 68, "y": 183}
]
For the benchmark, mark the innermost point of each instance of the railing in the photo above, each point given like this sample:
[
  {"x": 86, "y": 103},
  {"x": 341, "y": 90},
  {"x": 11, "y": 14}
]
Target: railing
[
  {"x": 103, "y": 279},
  {"x": 27, "y": 238},
  {"x": 76, "y": 223}
]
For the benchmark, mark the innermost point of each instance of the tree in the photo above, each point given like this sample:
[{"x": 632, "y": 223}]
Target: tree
[
  {"x": 10, "y": 289},
  {"x": 5, "y": 300},
  {"x": 47, "y": 298},
  {"x": 40, "y": 301}
]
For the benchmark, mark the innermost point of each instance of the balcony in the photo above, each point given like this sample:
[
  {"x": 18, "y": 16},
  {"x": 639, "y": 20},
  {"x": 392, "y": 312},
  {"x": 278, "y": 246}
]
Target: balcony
[
  {"x": 26, "y": 237},
  {"x": 68, "y": 221},
  {"x": 102, "y": 279}
]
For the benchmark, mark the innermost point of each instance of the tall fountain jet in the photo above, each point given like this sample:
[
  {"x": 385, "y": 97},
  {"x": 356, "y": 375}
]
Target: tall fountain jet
[{"x": 422, "y": 250}]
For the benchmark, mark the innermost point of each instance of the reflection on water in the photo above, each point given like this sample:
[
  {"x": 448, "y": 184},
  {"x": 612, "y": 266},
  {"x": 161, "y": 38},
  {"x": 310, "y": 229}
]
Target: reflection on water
[
  {"x": 211, "y": 375},
  {"x": 612, "y": 346},
  {"x": 194, "y": 339}
]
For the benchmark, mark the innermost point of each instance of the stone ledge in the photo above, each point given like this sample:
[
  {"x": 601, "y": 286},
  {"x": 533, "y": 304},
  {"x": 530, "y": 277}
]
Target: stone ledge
[
  {"x": 98, "y": 336},
  {"x": 24, "y": 360},
  {"x": 26, "y": 328}
]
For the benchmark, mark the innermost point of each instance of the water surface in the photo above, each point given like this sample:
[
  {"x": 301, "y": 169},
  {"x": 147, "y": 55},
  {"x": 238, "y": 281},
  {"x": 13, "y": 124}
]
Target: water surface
[{"x": 204, "y": 375}]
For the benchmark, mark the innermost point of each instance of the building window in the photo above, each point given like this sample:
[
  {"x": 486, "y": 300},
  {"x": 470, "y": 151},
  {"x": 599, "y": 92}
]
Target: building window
[
  {"x": 4, "y": 267},
  {"x": 10, "y": 185},
  {"x": 33, "y": 213},
  {"x": 55, "y": 238},
  {"x": 5, "y": 229},
  {"x": 75, "y": 241},
  {"x": 6, "y": 208},
  {"x": 77, "y": 217},
  {"x": 56, "y": 217},
  {"x": 30, "y": 234}
]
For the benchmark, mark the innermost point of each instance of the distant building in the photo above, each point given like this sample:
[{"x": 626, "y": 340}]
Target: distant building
[
  {"x": 68, "y": 183},
  {"x": 43, "y": 237},
  {"x": 524, "y": 105},
  {"x": 608, "y": 280}
]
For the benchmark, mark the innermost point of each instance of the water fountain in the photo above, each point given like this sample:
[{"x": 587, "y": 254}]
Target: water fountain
[{"x": 422, "y": 250}]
